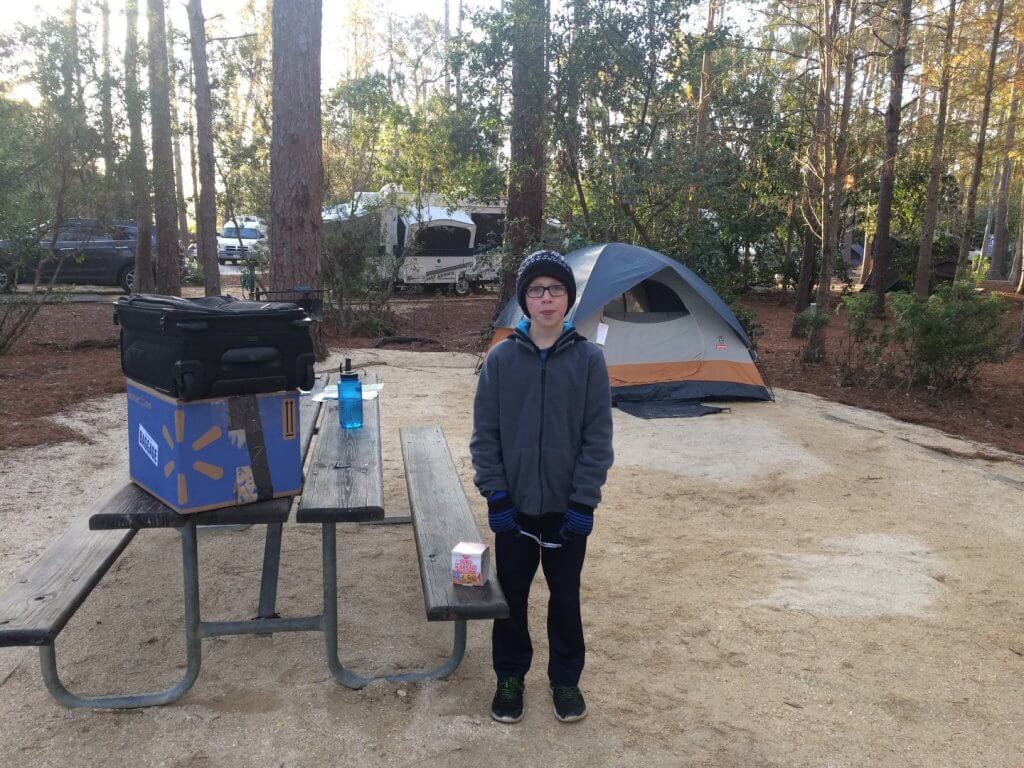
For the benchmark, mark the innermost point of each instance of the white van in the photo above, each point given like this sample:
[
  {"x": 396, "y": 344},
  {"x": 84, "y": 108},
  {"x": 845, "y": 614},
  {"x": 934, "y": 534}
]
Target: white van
[{"x": 237, "y": 236}]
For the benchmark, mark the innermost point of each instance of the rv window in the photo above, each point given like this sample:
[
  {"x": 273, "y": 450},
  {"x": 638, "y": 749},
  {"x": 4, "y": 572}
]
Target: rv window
[{"x": 442, "y": 238}]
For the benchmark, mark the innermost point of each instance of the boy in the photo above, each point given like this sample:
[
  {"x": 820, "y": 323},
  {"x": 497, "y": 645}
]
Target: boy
[{"x": 541, "y": 447}]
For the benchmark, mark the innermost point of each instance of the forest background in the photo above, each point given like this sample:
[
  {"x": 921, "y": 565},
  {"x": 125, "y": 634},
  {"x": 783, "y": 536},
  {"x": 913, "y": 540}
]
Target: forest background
[{"x": 758, "y": 143}]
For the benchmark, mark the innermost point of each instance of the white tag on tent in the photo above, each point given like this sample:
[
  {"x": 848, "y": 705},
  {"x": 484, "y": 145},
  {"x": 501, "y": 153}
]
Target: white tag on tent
[{"x": 602, "y": 334}]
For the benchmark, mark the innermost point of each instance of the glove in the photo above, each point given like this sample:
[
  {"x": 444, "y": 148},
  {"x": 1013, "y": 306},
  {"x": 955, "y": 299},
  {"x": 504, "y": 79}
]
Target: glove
[
  {"x": 578, "y": 521},
  {"x": 501, "y": 513}
]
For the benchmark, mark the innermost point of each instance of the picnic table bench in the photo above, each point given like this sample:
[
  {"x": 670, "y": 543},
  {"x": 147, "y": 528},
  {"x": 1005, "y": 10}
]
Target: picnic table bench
[{"x": 344, "y": 484}]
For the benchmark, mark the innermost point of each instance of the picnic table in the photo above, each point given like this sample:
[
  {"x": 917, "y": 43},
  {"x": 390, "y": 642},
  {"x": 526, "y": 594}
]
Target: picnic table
[{"x": 344, "y": 483}]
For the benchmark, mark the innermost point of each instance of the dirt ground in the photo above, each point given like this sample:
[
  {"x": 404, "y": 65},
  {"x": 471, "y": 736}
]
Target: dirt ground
[
  {"x": 792, "y": 584},
  {"x": 77, "y": 342},
  {"x": 990, "y": 413},
  {"x": 69, "y": 355}
]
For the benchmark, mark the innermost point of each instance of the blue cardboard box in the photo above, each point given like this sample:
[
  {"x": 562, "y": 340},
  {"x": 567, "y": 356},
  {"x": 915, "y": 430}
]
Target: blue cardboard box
[{"x": 220, "y": 452}]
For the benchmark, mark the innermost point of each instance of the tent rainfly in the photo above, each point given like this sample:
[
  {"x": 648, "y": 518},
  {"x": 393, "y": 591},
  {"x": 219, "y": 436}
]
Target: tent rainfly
[{"x": 666, "y": 335}]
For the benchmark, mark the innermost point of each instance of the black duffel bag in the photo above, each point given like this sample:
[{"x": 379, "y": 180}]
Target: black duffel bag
[{"x": 214, "y": 346}]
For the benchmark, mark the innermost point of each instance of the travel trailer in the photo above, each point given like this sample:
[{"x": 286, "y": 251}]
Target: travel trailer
[{"x": 431, "y": 243}]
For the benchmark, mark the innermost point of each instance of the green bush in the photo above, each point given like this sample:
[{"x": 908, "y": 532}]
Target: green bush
[
  {"x": 949, "y": 338},
  {"x": 749, "y": 320},
  {"x": 942, "y": 343},
  {"x": 194, "y": 273},
  {"x": 808, "y": 320},
  {"x": 866, "y": 351}
]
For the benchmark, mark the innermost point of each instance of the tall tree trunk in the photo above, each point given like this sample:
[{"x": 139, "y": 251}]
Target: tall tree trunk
[
  {"x": 458, "y": 69},
  {"x": 813, "y": 235},
  {"x": 931, "y": 208},
  {"x": 525, "y": 209},
  {"x": 168, "y": 277},
  {"x": 703, "y": 99},
  {"x": 107, "y": 112},
  {"x": 810, "y": 246},
  {"x": 999, "y": 261},
  {"x": 990, "y": 212},
  {"x": 445, "y": 40},
  {"x": 183, "y": 236},
  {"x": 296, "y": 161},
  {"x": 1018, "y": 252},
  {"x": 887, "y": 183},
  {"x": 833, "y": 175},
  {"x": 70, "y": 63},
  {"x": 850, "y": 222},
  {"x": 137, "y": 171},
  {"x": 869, "y": 256},
  {"x": 979, "y": 153},
  {"x": 924, "y": 80},
  {"x": 206, "y": 210}
]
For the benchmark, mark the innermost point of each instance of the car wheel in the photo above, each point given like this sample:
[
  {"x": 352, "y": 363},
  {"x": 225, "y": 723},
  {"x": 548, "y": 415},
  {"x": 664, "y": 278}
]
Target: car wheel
[
  {"x": 6, "y": 282},
  {"x": 461, "y": 287},
  {"x": 126, "y": 279}
]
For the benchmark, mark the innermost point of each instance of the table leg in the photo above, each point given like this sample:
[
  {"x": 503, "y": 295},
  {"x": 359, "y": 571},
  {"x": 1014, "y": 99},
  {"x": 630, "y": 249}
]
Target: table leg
[
  {"x": 339, "y": 672},
  {"x": 193, "y": 647},
  {"x": 271, "y": 568}
]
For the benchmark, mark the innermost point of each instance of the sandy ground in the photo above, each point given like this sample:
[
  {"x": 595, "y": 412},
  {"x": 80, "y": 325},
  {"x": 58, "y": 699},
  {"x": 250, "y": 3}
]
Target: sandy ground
[{"x": 790, "y": 584}]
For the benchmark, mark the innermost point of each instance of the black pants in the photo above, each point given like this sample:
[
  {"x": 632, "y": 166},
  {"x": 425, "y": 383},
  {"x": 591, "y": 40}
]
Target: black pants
[{"x": 516, "y": 558}]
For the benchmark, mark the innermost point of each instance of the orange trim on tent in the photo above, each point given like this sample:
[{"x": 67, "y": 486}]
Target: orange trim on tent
[
  {"x": 500, "y": 334},
  {"x": 629, "y": 374},
  {"x": 700, "y": 370}
]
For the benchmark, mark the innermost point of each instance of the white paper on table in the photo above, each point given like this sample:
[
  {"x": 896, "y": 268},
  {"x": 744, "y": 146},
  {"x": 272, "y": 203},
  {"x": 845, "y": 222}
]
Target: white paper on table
[
  {"x": 602, "y": 334},
  {"x": 330, "y": 392}
]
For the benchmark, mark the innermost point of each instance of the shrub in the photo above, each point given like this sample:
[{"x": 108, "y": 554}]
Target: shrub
[
  {"x": 749, "y": 320},
  {"x": 807, "y": 321},
  {"x": 949, "y": 338},
  {"x": 866, "y": 353},
  {"x": 194, "y": 273},
  {"x": 942, "y": 343}
]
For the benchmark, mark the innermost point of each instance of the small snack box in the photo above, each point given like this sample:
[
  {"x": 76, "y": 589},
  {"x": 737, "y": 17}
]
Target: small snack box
[{"x": 469, "y": 563}]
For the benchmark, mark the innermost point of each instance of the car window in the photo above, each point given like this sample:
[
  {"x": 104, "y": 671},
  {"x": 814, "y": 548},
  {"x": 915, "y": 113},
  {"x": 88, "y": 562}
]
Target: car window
[
  {"x": 96, "y": 232},
  {"x": 244, "y": 232},
  {"x": 68, "y": 232}
]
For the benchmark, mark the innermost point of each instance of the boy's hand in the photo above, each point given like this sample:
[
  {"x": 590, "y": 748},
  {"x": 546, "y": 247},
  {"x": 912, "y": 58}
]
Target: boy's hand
[
  {"x": 501, "y": 513},
  {"x": 578, "y": 521}
]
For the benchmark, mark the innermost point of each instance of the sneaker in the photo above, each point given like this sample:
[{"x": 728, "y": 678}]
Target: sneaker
[
  {"x": 569, "y": 703},
  {"x": 507, "y": 706}
]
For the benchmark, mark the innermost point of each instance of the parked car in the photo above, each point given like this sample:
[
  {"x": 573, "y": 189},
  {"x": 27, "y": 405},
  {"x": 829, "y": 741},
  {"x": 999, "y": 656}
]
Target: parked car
[
  {"x": 235, "y": 241},
  {"x": 89, "y": 252}
]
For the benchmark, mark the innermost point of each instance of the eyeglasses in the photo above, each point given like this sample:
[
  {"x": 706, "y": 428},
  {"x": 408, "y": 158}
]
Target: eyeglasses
[{"x": 536, "y": 291}]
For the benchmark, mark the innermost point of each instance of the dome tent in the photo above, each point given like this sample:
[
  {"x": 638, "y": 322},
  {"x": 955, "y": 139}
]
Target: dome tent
[{"x": 666, "y": 335}]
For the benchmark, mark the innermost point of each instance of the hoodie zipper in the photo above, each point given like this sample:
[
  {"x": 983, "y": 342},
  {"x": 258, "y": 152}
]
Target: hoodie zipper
[
  {"x": 559, "y": 344},
  {"x": 540, "y": 436}
]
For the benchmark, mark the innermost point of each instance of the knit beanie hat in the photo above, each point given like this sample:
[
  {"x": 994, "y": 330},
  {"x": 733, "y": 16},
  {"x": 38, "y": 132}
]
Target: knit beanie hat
[{"x": 546, "y": 264}]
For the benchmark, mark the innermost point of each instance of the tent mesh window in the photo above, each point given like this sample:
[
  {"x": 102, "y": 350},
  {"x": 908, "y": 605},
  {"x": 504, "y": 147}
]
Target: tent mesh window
[{"x": 648, "y": 302}]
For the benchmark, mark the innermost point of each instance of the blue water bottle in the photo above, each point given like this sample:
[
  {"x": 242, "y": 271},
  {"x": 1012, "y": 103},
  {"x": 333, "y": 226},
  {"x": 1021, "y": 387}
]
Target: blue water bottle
[{"x": 350, "y": 401}]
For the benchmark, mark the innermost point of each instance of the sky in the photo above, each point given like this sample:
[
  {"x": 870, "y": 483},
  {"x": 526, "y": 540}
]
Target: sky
[{"x": 334, "y": 12}]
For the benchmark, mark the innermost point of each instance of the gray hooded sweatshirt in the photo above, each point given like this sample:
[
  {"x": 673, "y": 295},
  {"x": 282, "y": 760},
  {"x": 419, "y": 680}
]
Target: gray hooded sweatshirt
[{"x": 542, "y": 424}]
